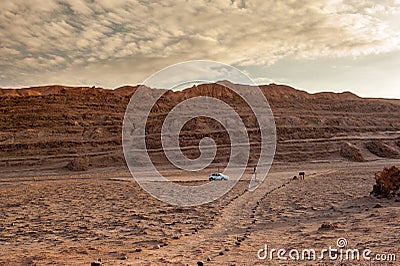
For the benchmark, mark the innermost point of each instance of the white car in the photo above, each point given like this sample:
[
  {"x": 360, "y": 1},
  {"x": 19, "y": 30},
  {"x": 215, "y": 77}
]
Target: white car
[{"x": 218, "y": 176}]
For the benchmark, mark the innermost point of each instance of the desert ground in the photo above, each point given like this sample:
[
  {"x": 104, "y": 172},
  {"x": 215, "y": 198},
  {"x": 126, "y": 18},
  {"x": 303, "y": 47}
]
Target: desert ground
[
  {"x": 67, "y": 197},
  {"x": 77, "y": 219}
]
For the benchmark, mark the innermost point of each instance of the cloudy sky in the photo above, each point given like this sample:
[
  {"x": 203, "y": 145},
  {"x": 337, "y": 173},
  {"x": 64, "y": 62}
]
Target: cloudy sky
[{"x": 315, "y": 45}]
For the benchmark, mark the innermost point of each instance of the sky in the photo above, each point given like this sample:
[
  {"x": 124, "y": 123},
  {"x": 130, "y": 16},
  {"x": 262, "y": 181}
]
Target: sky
[{"x": 313, "y": 45}]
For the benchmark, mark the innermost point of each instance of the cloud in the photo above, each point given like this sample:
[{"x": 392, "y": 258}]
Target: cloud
[
  {"x": 62, "y": 37},
  {"x": 80, "y": 6}
]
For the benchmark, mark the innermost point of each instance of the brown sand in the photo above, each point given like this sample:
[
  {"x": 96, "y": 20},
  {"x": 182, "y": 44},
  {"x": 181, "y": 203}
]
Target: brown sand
[{"x": 75, "y": 220}]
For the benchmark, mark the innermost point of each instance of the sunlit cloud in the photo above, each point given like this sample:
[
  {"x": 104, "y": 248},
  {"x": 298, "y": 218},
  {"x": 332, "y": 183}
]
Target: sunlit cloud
[{"x": 111, "y": 43}]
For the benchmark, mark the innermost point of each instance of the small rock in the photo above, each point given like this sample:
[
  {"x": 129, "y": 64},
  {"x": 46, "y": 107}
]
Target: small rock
[
  {"x": 378, "y": 206},
  {"x": 360, "y": 246},
  {"x": 208, "y": 259},
  {"x": 138, "y": 250},
  {"x": 200, "y": 263},
  {"x": 328, "y": 226},
  {"x": 221, "y": 253},
  {"x": 95, "y": 263}
]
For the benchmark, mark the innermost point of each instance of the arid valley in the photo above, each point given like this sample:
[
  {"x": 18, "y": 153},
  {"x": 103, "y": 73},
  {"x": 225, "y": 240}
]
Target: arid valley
[{"x": 68, "y": 198}]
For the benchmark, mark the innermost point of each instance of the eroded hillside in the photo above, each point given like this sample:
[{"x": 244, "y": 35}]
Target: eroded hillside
[{"x": 47, "y": 127}]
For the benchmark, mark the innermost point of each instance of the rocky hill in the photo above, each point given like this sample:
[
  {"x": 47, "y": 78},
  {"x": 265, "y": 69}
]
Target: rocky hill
[{"x": 50, "y": 127}]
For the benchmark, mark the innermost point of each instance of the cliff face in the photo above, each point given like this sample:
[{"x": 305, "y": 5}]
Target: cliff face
[{"x": 54, "y": 124}]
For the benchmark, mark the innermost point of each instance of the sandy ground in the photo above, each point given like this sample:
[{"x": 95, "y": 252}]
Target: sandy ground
[{"x": 105, "y": 215}]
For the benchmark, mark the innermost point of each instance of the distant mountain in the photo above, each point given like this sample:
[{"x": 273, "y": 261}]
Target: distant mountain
[{"x": 49, "y": 126}]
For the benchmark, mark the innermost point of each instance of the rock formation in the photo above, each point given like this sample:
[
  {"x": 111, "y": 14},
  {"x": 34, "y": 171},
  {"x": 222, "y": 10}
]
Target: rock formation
[
  {"x": 79, "y": 164},
  {"x": 351, "y": 152},
  {"x": 382, "y": 150},
  {"x": 53, "y": 124}
]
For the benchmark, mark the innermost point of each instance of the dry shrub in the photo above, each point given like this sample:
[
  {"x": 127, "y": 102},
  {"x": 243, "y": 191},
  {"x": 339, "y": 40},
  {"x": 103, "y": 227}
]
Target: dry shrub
[{"x": 387, "y": 183}]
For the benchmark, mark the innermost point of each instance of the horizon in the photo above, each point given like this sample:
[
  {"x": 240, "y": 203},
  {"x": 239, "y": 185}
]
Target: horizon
[
  {"x": 189, "y": 87},
  {"x": 319, "y": 46}
]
